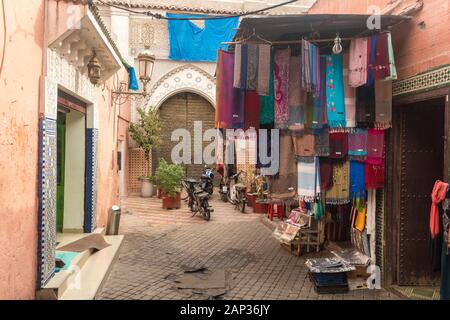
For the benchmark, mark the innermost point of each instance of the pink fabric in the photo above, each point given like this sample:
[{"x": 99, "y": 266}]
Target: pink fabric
[
  {"x": 358, "y": 62},
  {"x": 437, "y": 196},
  {"x": 349, "y": 94},
  {"x": 375, "y": 146},
  {"x": 281, "y": 83}
]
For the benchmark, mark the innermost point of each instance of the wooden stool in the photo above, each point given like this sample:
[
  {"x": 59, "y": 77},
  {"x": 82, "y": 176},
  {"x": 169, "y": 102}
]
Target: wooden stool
[{"x": 271, "y": 210}]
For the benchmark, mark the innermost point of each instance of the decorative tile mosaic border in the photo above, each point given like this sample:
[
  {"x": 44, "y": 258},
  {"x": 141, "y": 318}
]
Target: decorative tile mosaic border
[
  {"x": 90, "y": 210},
  {"x": 422, "y": 82},
  {"x": 47, "y": 199}
]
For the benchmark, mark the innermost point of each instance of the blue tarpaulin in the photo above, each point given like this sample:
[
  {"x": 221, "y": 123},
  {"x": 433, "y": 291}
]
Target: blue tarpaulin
[{"x": 190, "y": 42}]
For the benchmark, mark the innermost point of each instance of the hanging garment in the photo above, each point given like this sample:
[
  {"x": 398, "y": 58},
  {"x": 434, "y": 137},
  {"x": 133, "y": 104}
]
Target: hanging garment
[
  {"x": 392, "y": 68},
  {"x": 445, "y": 275},
  {"x": 263, "y": 69},
  {"x": 360, "y": 223},
  {"x": 281, "y": 82},
  {"x": 315, "y": 69},
  {"x": 322, "y": 141},
  {"x": 237, "y": 66},
  {"x": 252, "y": 66},
  {"x": 304, "y": 145},
  {"x": 306, "y": 66},
  {"x": 267, "y": 103},
  {"x": 437, "y": 196},
  {"x": 371, "y": 223},
  {"x": 296, "y": 94},
  {"x": 357, "y": 180},
  {"x": 244, "y": 69},
  {"x": 308, "y": 184},
  {"x": 383, "y": 104},
  {"x": 326, "y": 174},
  {"x": 358, "y": 62},
  {"x": 350, "y": 96},
  {"x": 320, "y": 100},
  {"x": 357, "y": 144},
  {"x": 365, "y": 106},
  {"x": 374, "y": 176},
  {"x": 220, "y": 145},
  {"x": 335, "y": 92},
  {"x": 189, "y": 42},
  {"x": 371, "y": 52},
  {"x": 381, "y": 67},
  {"x": 238, "y": 117},
  {"x": 338, "y": 145},
  {"x": 251, "y": 110},
  {"x": 296, "y": 118},
  {"x": 268, "y": 145},
  {"x": 375, "y": 146},
  {"x": 340, "y": 192},
  {"x": 224, "y": 89},
  {"x": 287, "y": 175},
  {"x": 309, "y": 111}
]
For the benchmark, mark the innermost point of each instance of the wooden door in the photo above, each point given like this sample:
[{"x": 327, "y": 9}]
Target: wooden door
[{"x": 422, "y": 131}]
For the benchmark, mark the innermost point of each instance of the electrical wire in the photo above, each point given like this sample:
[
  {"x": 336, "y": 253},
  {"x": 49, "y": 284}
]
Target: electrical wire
[
  {"x": 4, "y": 40},
  {"x": 162, "y": 17}
]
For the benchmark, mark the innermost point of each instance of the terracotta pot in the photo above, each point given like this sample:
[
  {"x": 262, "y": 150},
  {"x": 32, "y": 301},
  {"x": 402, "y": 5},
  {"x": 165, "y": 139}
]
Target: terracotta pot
[
  {"x": 251, "y": 198},
  {"x": 171, "y": 202},
  {"x": 260, "y": 207}
]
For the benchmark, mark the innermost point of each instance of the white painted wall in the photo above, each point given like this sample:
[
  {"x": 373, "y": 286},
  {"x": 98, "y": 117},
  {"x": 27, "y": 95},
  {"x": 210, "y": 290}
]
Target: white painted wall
[{"x": 74, "y": 172}]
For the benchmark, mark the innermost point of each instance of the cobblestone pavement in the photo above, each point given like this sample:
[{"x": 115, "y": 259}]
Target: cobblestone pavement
[{"x": 160, "y": 244}]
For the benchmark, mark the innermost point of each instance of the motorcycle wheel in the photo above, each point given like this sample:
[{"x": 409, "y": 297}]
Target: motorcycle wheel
[
  {"x": 223, "y": 197},
  {"x": 241, "y": 205},
  {"x": 207, "y": 215}
]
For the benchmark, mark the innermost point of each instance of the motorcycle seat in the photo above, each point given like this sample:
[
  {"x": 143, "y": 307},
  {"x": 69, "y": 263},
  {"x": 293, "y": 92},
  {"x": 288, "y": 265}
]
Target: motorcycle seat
[
  {"x": 202, "y": 195},
  {"x": 240, "y": 186}
]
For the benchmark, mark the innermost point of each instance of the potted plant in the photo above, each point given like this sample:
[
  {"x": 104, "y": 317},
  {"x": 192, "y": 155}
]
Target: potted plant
[
  {"x": 147, "y": 134},
  {"x": 261, "y": 202},
  {"x": 169, "y": 178}
]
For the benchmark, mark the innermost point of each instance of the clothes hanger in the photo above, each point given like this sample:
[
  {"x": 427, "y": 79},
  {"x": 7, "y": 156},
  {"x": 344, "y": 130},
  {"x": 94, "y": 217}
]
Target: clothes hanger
[{"x": 257, "y": 37}]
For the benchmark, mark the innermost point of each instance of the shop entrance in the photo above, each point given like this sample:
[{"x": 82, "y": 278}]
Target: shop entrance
[{"x": 421, "y": 141}]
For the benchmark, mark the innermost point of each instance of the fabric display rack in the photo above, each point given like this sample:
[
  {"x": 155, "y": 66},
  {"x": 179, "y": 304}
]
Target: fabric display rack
[{"x": 332, "y": 111}]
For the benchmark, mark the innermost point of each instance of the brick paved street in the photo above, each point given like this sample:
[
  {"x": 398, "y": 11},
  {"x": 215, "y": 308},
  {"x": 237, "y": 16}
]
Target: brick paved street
[{"x": 159, "y": 245}]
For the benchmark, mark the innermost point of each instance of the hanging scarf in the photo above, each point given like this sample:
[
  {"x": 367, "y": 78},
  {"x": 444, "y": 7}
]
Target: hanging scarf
[
  {"x": 251, "y": 110},
  {"x": 358, "y": 62},
  {"x": 296, "y": 118},
  {"x": 357, "y": 144},
  {"x": 326, "y": 174},
  {"x": 340, "y": 193},
  {"x": 382, "y": 67},
  {"x": 374, "y": 176},
  {"x": 323, "y": 143},
  {"x": 315, "y": 69},
  {"x": 338, "y": 145},
  {"x": 252, "y": 66},
  {"x": 237, "y": 66},
  {"x": 375, "y": 146},
  {"x": 224, "y": 89},
  {"x": 335, "y": 92},
  {"x": 357, "y": 180},
  {"x": 268, "y": 151},
  {"x": 296, "y": 94},
  {"x": 371, "y": 52},
  {"x": 263, "y": 69},
  {"x": 281, "y": 82},
  {"x": 320, "y": 101},
  {"x": 350, "y": 96},
  {"x": 308, "y": 184},
  {"x": 287, "y": 176},
  {"x": 392, "y": 68},
  {"x": 437, "y": 196},
  {"x": 304, "y": 145},
  {"x": 267, "y": 102},
  {"x": 244, "y": 61},
  {"x": 365, "y": 106},
  {"x": 309, "y": 111},
  {"x": 306, "y": 66},
  {"x": 371, "y": 223},
  {"x": 238, "y": 101},
  {"x": 383, "y": 104}
]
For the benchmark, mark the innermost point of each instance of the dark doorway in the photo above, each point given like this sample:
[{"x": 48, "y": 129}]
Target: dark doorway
[{"x": 421, "y": 162}]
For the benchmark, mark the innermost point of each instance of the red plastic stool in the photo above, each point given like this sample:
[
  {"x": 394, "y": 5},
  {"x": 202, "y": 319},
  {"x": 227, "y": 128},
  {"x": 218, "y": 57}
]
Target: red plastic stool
[{"x": 271, "y": 210}]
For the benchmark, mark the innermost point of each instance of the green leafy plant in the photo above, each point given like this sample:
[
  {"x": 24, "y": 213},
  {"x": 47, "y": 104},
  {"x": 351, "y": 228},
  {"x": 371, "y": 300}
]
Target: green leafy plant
[
  {"x": 169, "y": 177},
  {"x": 147, "y": 131}
]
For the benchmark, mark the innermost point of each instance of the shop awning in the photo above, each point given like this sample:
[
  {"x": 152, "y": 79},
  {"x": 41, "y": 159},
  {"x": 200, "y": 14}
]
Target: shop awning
[{"x": 294, "y": 27}]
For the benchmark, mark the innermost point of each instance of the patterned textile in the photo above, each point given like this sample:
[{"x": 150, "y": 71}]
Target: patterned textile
[
  {"x": 357, "y": 179},
  {"x": 263, "y": 69},
  {"x": 365, "y": 106},
  {"x": 225, "y": 90},
  {"x": 320, "y": 101},
  {"x": 296, "y": 94},
  {"x": 306, "y": 66},
  {"x": 335, "y": 92},
  {"x": 371, "y": 52},
  {"x": 308, "y": 184},
  {"x": 323, "y": 143},
  {"x": 340, "y": 193},
  {"x": 374, "y": 176},
  {"x": 237, "y": 66},
  {"x": 326, "y": 173},
  {"x": 383, "y": 104},
  {"x": 304, "y": 145},
  {"x": 338, "y": 145},
  {"x": 350, "y": 96},
  {"x": 281, "y": 82},
  {"x": 357, "y": 144},
  {"x": 267, "y": 102},
  {"x": 251, "y": 110},
  {"x": 375, "y": 146},
  {"x": 315, "y": 69},
  {"x": 358, "y": 62},
  {"x": 296, "y": 118},
  {"x": 287, "y": 176},
  {"x": 382, "y": 67},
  {"x": 252, "y": 66}
]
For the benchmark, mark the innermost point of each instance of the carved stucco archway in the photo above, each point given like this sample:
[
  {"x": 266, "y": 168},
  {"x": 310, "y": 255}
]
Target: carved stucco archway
[{"x": 186, "y": 78}]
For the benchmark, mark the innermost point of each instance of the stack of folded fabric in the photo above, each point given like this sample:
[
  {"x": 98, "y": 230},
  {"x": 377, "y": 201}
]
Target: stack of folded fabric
[{"x": 329, "y": 275}]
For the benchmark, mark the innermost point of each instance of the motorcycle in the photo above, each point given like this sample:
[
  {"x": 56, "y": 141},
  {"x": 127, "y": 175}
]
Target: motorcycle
[
  {"x": 234, "y": 191},
  {"x": 197, "y": 199},
  {"x": 207, "y": 180}
]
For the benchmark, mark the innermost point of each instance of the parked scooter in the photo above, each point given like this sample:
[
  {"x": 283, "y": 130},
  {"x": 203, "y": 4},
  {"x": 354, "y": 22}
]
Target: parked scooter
[
  {"x": 207, "y": 180},
  {"x": 234, "y": 191},
  {"x": 197, "y": 199}
]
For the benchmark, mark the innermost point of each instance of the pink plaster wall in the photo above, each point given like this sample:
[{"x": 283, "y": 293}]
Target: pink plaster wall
[{"x": 19, "y": 99}]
